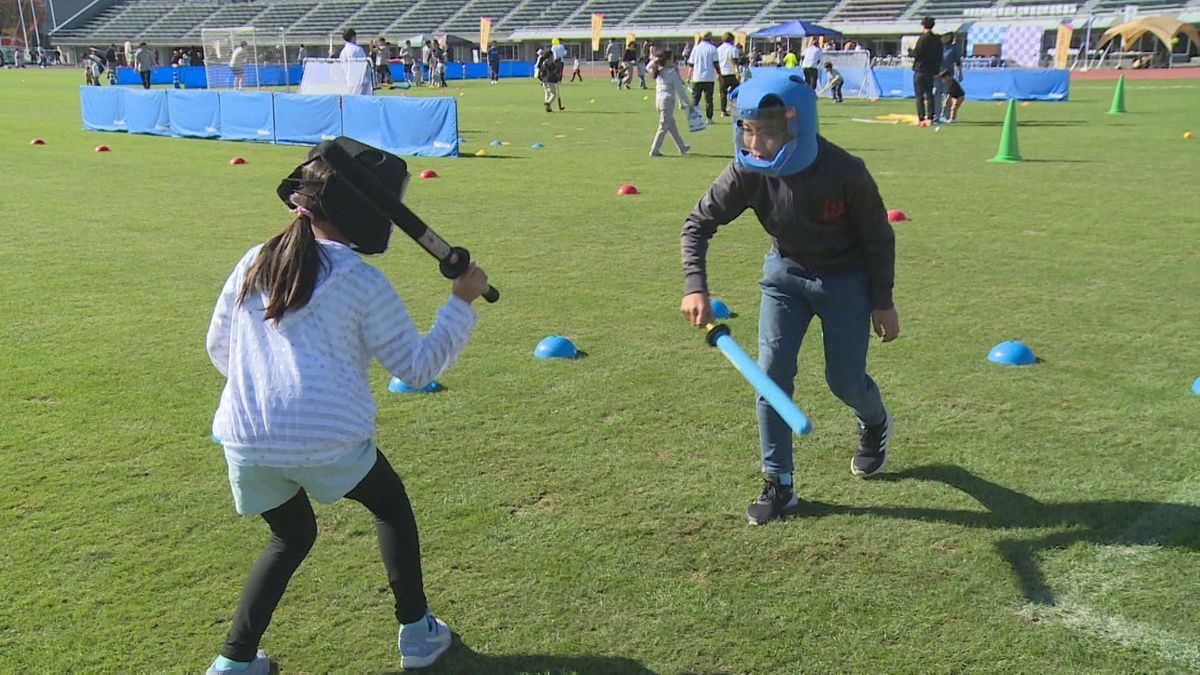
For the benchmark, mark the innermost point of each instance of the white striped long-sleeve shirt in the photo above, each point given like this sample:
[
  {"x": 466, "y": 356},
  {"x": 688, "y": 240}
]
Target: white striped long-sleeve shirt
[{"x": 296, "y": 392}]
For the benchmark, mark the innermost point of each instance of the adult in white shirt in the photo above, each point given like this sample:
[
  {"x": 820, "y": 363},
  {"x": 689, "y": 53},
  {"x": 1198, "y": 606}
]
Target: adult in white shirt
[
  {"x": 728, "y": 55},
  {"x": 558, "y": 49},
  {"x": 810, "y": 61},
  {"x": 704, "y": 73},
  {"x": 352, "y": 52}
]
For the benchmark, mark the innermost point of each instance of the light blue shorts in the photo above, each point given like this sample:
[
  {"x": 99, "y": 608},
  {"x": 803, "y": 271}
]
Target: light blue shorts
[{"x": 258, "y": 489}]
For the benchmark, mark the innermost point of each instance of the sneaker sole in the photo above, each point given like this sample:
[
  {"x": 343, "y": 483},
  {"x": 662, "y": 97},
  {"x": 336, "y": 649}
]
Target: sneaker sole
[
  {"x": 865, "y": 474},
  {"x": 792, "y": 503},
  {"x": 411, "y": 662}
]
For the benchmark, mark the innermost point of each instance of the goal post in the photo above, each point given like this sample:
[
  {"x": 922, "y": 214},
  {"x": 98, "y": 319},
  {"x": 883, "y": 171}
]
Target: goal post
[
  {"x": 245, "y": 57},
  {"x": 855, "y": 68}
]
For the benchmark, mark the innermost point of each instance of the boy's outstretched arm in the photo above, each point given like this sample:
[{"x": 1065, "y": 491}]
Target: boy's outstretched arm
[{"x": 725, "y": 200}]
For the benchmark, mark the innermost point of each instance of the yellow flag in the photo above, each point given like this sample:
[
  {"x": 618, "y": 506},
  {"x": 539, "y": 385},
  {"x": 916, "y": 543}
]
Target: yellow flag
[
  {"x": 1062, "y": 45},
  {"x": 630, "y": 38},
  {"x": 739, "y": 39},
  {"x": 597, "y": 26},
  {"x": 485, "y": 31},
  {"x": 697, "y": 40}
]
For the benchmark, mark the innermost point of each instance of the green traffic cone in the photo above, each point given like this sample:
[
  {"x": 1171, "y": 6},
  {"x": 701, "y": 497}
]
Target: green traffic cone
[
  {"x": 1008, "y": 137},
  {"x": 1118, "y": 102}
]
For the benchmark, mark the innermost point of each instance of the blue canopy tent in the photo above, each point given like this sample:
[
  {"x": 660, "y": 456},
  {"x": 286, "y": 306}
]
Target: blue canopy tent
[{"x": 795, "y": 29}]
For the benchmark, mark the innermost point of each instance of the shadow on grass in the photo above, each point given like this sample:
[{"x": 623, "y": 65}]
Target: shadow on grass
[
  {"x": 1104, "y": 522},
  {"x": 462, "y": 659}
]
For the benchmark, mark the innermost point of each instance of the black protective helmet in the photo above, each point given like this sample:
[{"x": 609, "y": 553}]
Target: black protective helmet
[{"x": 343, "y": 202}]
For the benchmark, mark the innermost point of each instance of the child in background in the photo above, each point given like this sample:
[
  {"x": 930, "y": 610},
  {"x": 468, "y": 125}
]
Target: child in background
[
  {"x": 575, "y": 72},
  {"x": 294, "y": 330},
  {"x": 667, "y": 86},
  {"x": 744, "y": 69},
  {"x": 955, "y": 96},
  {"x": 833, "y": 84}
]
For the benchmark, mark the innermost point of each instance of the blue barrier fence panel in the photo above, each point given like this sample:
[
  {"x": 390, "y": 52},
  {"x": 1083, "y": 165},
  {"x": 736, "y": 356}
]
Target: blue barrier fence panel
[
  {"x": 362, "y": 119},
  {"x": 402, "y": 125},
  {"x": 102, "y": 108},
  {"x": 195, "y": 114},
  {"x": 146, "y": 111},
  {"x": 307, "y": 119},
  {"x": 984, "y": 84},
  {"x": 247, "y": 116}
]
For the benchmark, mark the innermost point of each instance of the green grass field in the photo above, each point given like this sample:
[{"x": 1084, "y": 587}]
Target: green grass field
[{"x": 587, "y": 516}]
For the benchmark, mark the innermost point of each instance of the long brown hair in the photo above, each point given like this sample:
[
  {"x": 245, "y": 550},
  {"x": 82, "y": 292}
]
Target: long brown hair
[{"x": 287, "y": 265}]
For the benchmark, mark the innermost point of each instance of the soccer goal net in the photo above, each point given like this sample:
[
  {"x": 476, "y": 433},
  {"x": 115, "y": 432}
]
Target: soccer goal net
[
  {"x": 245, "y": 58},
  {"x": 855, "y": 69}
]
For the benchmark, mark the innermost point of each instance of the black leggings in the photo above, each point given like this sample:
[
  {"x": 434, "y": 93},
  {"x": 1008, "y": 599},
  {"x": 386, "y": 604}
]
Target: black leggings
[{"x": 293, "y": 531}]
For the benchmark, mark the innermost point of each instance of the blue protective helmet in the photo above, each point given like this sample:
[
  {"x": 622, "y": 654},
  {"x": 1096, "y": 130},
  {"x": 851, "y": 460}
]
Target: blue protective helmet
[{"x": 798, "y": 113}]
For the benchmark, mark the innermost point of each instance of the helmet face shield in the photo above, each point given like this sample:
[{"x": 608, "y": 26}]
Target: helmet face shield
[
  {"x": 760, "y": 135},
  {"x": 774, "y": 125}
]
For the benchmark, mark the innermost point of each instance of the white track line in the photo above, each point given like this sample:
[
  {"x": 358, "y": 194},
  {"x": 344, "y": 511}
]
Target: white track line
[{"x": 1113, "y": 566}]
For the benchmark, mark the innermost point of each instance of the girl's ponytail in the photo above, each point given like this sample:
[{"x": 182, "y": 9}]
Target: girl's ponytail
[{"x": 286, "y": 268}]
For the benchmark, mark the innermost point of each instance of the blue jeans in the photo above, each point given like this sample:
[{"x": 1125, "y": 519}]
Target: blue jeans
[{"x": 790, "y": 299}]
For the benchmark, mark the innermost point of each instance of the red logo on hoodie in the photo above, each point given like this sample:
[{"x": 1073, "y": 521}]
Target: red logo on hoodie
[{"x": 833, "y": 210}]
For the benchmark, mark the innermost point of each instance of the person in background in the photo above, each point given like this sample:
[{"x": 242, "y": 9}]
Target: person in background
[
  {"x": 810, "y": 62},
  {"x": 144, "y": 59},
  {"x": 668, "y": 86},
  {"x": 790, "y": 60},
  {"x": 728, "y": 55},
  {"x": 951, "y": 61},
  {"x": 237, "y": 64},
  {"x": 613, "y": 53},
  {"x": 704, "y": 73},
  {"x": 834, "y": 84},
  {"x": 927, "y": 63},
  {"x": 351, "y": 51},
  {"x": 575, "y": 71},
  {"x": 493, "y": 61},
  {"x": 955, "y": 96}
]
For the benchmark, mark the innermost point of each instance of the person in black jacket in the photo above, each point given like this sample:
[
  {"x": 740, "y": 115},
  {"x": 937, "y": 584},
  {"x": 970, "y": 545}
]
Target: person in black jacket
[
  {"x": 832, "y": 256},
  {"x": 927, "y": 62}
]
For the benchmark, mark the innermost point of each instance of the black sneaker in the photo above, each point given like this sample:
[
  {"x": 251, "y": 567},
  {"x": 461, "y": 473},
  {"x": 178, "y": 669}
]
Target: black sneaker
[
  {"x": 871, "y": 454},
  {"x": 772, "y": 502}
]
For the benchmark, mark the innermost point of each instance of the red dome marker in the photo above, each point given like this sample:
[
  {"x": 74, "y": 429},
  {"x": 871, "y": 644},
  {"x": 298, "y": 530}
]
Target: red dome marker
[
  {"x": 37, "y": 141},
  {"x": 236, "y": 161},
  {"x": 101, "y": 148},
  {"x": 627, "y": 189},
  {"x": 428, "y": 173},
  {"x": 896, "y": 215}
]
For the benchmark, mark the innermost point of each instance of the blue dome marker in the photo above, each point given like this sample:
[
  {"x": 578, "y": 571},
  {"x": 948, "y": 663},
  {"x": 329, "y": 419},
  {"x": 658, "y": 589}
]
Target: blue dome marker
[
  {"x": 720, "y": 310},
  {"x": 1012, "y": 353},
  {"x": 496, "y": 142},
  {"x": 537, "y": 145},
  {"x": 401, "y": 387},
  {"x": 555, "y": 347},
  {"x": 1196, "y": 387}
]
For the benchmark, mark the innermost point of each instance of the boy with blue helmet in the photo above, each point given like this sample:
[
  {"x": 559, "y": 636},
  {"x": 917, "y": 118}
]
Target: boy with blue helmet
[{"x": 832, "y": 256}]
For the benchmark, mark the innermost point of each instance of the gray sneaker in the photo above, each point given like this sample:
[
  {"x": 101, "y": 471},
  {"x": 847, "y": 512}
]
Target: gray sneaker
[
  {"x": 421, "y": 643},
  {"x": 871, "y": 454},
  {"x": 772, "y": 502}
]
